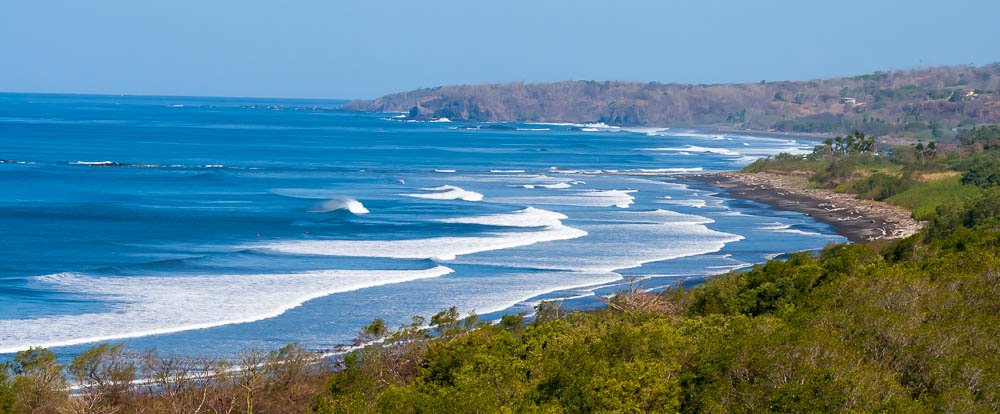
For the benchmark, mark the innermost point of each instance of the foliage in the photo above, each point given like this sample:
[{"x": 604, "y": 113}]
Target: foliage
[
  {"x": 924, "y": 197},
  {"x": 983, "y": 171},
  {"x": 924, "y": 103},
  {"x": 878, "y": 186},
  {"x": 981, "y": 138}
]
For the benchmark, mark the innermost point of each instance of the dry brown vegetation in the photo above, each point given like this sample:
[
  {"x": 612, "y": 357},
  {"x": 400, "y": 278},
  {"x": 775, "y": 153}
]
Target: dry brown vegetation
[{"x": 921, "y": 101}]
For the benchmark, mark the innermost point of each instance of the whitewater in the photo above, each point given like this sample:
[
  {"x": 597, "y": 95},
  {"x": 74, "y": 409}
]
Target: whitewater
[{"x": 201, "y": 226}]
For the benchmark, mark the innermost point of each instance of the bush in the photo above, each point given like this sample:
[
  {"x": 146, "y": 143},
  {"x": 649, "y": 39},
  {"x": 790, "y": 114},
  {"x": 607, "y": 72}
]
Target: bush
[
  {"x": 879, "y": 186},
  {"x": 983, "y": 171}
]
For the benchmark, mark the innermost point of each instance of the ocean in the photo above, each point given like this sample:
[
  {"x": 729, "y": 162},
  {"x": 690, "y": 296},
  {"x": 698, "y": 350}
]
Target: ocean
[{"x": 204, "y": 226}]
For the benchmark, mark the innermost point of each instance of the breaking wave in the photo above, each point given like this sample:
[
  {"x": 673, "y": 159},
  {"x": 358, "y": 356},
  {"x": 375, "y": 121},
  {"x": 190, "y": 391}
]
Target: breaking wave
[
  {"x": 444, "y": 248},
  {"x": 335, "y": 204},
  {"x": 148, "y": 305},
  {"x": 448, "y": 192}
]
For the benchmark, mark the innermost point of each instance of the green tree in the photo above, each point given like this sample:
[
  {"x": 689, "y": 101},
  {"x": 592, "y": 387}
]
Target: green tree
[
  {"x": 39, "y": 383},
  {"x": 984, "y": 172}
]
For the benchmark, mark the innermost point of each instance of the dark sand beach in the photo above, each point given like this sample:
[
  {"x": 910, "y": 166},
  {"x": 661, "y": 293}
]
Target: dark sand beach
[{"x": 857, "y": 220}]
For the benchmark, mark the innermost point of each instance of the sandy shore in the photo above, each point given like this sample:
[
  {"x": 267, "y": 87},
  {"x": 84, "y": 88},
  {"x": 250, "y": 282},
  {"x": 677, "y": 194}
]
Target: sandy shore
[{"x": 857, "y": 220}]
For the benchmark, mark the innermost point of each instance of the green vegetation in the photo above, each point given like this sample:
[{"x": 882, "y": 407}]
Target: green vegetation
[
  {"x": 920, "y": 178},
  {"x": 926, "y": 103},
  {"x": 908, "y": 325},
  {"x": 924, "y": 198}
]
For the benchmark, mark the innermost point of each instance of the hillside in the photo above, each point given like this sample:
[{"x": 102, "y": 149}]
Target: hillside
[{"x": 925, "y": 103}]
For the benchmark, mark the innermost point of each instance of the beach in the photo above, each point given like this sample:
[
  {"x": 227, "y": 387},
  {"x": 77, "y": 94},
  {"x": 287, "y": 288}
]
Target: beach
[{"x": 857, "y": 220}]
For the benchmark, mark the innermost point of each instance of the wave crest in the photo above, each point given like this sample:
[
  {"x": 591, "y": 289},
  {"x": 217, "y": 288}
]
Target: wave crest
[
  {"x": 448, "y": 192},
  {"x": 344, "y": 203}
]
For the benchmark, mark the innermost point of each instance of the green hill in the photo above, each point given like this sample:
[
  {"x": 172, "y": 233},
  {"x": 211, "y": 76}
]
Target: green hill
[{"x": 925, "y": 103}]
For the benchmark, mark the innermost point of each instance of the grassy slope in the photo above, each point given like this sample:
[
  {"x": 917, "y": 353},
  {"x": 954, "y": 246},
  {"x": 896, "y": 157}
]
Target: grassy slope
[{"x": 924, "y": 198}]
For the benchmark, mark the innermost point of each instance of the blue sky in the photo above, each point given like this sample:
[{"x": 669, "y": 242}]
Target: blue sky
[{"x": 362, "y": 49}]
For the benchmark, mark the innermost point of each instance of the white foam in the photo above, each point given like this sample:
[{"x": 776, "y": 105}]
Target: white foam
[
  {"x": 776, "y": 226},
  {"x": 696, "y": 203},
  {"x": 92, "y": 163},
  {"x": 444, "y": 248},
  {"x": 511, "y": 289},
  {"x": 787, "y": 228},
  {"x": 802, "y": 232},
  {"x": 507, "y": 171},
  {"x": 448, "y": 192},
  {"x": 334, "y": 204},
  {"x": 661, "y": 171},
  {"x": 442, "y": 119},
  {"x": 621, "y": 198},
  {"x": 528, "y": 217},
  {"x": 617, "y": 240},
  {"x": 444, "y": 171},
  {"x": 150, "y": 305},
  {"x": 593, "y": 198},
  {"x": 550, "y": 186},
  {"x": 695, "y": 148}
]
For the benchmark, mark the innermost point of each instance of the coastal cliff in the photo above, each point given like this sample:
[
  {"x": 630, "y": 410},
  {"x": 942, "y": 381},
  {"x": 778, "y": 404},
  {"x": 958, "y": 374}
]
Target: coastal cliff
[{"x": 924, "y": 103}]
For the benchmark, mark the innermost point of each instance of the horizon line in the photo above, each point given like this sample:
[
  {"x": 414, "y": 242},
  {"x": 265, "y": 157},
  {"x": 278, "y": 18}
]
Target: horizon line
[{"x": 169, "y": 95}]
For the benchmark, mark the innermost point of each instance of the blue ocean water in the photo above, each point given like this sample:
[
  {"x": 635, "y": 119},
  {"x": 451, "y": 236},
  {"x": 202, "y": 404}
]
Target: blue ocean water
[{"x": 202, "y": 226}]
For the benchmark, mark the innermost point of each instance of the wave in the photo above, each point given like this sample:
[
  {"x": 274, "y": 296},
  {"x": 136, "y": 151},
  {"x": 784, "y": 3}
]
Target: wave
[
  {"x": 662, "y": 171},
  {"x": 787, "y": 228},
  {"x": 616, "y": 241},
  {"x": 618, "y": 198},
  {"x": 505, "y": 291},
  {"x": 443, "y": 248},
  {"x": 444, "y": 170},
  {"x": 594, "y": 198},
  {"x": 694, "y": 148},
  {"x": 696, "y": 203},
  {"x": 92, "y": 163},
  {"x": 603, "y": 127},
  {"x": 334, "y": 204},
  {"x": 151, "y": 305},
  {"x": 448, "y": 192},
  {"x": 528, "y": 217},
  {"x": 507, "y": 171},
  {"x": 551, "y": 186}
]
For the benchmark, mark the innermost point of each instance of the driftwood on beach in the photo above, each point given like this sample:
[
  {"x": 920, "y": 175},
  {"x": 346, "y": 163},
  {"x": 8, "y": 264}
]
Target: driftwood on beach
[{"x": 856, "y": 219}]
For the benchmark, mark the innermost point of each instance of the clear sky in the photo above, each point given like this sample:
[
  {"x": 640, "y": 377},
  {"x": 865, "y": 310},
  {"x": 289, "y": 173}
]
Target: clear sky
[{"x": 363, "y": 49}]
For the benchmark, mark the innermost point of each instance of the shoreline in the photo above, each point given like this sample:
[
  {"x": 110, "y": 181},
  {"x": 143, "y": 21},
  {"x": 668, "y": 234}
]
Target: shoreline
[{"x": 856, "y": 219}]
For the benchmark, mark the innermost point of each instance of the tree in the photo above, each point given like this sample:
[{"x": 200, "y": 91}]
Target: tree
[
  {"x": 105, "y": 373},
  {"x": 984, "y": 172},
  {"x": 8, "y": 396},
  {"x": 39, "y": 383},
  {"x": 447, "y": 321},
  {"x": 250, "y": 375}
]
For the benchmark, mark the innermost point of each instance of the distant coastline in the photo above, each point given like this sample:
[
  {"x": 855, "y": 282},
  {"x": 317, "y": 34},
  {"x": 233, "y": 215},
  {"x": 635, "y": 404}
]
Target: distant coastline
[{"x": 927, "y": 103}]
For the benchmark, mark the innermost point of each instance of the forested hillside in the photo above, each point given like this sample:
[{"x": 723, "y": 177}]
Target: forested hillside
[{"x": 925, "y": 103}]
